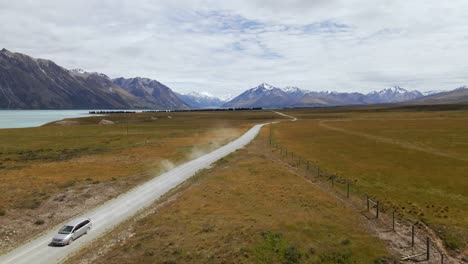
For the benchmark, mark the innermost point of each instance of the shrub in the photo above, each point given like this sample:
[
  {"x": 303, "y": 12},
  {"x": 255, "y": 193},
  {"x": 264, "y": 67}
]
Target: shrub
[
  {"x": 39, "y": 222},
  {"x": 345, "y": 242},
  {"x": 292, "y": 255}
]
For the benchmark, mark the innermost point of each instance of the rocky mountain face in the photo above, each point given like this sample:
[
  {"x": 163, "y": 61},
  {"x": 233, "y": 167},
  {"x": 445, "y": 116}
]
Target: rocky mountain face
[
  {"x": 28, "y": 83},
  {"x": 201, "y": 100},
  {"x": 268, "y": 96},
  {"x": 151, "y": 92}
]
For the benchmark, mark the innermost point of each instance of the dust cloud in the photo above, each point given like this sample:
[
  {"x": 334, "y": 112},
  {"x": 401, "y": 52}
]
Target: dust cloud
[{"x": 218, "y": 138}]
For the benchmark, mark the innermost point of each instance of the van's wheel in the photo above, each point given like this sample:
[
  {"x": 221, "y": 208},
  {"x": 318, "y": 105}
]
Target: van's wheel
[
  {"x": 87, "y": 230},
  {"x": 70, "y": 241}
]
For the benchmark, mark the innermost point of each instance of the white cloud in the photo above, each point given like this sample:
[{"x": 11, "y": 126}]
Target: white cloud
[{"x": 224, "y": 47}]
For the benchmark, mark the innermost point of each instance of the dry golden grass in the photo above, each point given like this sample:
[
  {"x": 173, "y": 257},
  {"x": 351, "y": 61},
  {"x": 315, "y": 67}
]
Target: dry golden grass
[
  {"x": 249, "y": 208},
  {"x": 38, "y": 164},
  {"x": 414, "y": 161}
]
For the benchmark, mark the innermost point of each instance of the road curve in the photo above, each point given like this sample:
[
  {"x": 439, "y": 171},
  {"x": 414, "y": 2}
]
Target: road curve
[
  {"x": 293, "y": 119},
  {"x": 117, "y": 210}
]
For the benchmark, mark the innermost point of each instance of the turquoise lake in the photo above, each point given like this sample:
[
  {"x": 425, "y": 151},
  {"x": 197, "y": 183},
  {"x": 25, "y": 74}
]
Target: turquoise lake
[{"x": 33, "y": 118}]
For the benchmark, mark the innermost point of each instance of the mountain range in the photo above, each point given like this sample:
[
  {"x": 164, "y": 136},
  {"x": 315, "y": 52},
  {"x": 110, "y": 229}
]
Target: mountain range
[
  {"x": 201, "y": 100},
  {"x": 29, "y": 83},
  {"x": 457, "y": 96},
  {"x": 268, "y": 96}
]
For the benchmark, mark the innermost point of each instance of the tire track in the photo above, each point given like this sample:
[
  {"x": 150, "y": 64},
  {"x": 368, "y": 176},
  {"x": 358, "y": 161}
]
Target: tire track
[{"x": 407, "y": 145}]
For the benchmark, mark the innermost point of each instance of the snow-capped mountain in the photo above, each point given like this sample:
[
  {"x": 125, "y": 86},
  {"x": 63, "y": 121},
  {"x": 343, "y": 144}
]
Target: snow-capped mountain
[
  {"x": 201, "y": 100},
  {"x": 263, "y": 95},
  {"x": 295, "y": 91},
  {"x": 268, "y": 96},
  {"x": 392, "y": 95}
]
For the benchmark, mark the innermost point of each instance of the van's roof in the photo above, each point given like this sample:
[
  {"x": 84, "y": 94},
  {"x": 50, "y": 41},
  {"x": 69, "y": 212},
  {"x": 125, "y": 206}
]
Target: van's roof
[{"x": 76, "y": 221}]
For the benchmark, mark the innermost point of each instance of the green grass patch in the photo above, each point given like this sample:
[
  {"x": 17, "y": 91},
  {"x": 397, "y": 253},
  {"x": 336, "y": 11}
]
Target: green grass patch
[{"x": 412, "y": 160}]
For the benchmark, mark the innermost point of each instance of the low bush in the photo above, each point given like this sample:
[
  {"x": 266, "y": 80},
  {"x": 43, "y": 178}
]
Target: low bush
[{"x": 39, "y": 222}]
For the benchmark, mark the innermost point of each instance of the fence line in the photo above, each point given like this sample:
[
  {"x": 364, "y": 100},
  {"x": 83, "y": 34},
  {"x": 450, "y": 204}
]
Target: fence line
[{"x": 320, "y": 173}]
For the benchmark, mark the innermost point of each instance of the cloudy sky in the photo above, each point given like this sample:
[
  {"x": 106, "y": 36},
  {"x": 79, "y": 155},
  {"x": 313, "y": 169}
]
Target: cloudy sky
[{"x": 225, "y": 47}]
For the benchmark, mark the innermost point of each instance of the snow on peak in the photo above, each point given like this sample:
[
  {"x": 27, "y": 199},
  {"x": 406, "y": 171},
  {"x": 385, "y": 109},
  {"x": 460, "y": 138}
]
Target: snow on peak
[
  {"x": 291, "y": 89},
  {"x": 83, "y": 73},
  {"x": 392, "y": 90},
  {"x": 431, "y": 92},
  {"x": 396, "y": 89},
  {"x": 227, "y": 97},
  {"x": 201, "y": 94},
  {"x": 265, "y": 86}
]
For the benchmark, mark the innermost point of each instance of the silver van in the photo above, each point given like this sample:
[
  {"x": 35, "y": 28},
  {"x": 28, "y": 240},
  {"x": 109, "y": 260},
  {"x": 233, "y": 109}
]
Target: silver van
[{"x": 72, "y": 231}]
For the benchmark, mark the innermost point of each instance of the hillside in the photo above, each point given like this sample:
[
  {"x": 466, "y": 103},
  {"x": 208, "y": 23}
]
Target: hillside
[
  {"x": 459, "y": 95},
  {"x": 29, "y": 83},
  {"x": 151, "y": 92}
]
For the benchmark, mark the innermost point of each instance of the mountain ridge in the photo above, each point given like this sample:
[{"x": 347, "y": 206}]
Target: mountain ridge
[
  {"x": 268, "y": 96},
  {"x": 152, "y": 92},
  {"x": 34, "y": 83},
  {"x": 30, "y": 83}
]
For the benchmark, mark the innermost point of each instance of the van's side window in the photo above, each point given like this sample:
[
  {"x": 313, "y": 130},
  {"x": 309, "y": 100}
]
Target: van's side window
[{"x": 79, "y": 226}]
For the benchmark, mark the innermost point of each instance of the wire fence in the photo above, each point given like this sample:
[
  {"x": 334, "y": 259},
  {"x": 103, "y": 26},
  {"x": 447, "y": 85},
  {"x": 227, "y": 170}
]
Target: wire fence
[{"x": 426, "y": 251}]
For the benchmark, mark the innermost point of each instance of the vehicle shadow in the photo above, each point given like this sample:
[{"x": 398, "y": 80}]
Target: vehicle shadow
[{"x": 55, "y": 245}]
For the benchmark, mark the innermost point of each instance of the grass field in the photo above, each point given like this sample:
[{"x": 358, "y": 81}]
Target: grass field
[
  {"x": 414, "y": 161},
  {"x": 248, "y": 208},
  {"x": 42, "y": 168}
]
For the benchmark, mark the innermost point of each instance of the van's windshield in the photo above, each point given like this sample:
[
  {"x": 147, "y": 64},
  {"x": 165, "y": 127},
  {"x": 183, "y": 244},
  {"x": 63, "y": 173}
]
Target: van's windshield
[{"x": 66, "y": 230}]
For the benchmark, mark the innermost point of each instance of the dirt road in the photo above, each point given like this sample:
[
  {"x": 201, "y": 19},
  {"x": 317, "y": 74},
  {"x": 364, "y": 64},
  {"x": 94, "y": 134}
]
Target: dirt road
[{"x": 117, "y": 210}]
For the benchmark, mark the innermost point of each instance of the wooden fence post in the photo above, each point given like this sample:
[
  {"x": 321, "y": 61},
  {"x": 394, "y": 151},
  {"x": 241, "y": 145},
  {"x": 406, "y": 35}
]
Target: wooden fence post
[
  {"x": 378, "y": 209},
  {"x": 270, "y": 133},
  {"x": 347, "y": 189},
  {"x": 412, "y": 236},
  {"x": 368, "y": 205},
  {"x": 441, "y": 258},
  {"x": 393, "y": 220}
]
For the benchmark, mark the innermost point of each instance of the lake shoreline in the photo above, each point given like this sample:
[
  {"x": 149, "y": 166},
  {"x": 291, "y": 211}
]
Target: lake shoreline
[{"x": 12, "y": 119}]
